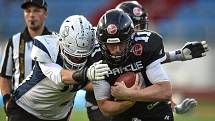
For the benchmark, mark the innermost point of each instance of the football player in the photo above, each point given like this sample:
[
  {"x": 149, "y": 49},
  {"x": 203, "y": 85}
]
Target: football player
[
  {"x": 125, "y": 50},
  {"x": 48, "y": 92},
  {"x": 190, "y": 50}
]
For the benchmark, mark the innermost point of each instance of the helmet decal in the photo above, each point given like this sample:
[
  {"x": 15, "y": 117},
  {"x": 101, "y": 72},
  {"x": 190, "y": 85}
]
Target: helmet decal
[
  {"x": 82, "y": 44},
  {"x": 137, "y": 11},
  {"x": 111, "y": 29},
  {"x": 65, "y": 32}
]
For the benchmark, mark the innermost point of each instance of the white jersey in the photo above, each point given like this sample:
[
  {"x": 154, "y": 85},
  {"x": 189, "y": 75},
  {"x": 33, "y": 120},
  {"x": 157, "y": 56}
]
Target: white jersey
[{"x": 42, "y": 93}]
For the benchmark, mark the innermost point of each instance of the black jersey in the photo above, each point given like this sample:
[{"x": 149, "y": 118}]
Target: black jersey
[{"x": 147, "y": 50}]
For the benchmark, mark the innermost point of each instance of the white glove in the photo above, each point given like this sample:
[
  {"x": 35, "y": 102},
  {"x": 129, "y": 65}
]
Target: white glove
[
  {"x": 185, "y": 106},
  {"x": 190, "y": 51},
  {"x": 97, "y": 71}
]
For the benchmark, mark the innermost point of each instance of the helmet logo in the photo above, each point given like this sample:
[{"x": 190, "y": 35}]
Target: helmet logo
[
  {"x": 137, "y": 49},
  {"x": 65, "y": 32},
  {"x": 82, "y": 42},
  {"x": 137, "y": 11},
  {"x": 111, "y": 29}
]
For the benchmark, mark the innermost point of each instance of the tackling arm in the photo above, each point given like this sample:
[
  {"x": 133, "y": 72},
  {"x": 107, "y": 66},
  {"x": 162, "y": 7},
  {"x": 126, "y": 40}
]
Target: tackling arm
[{"x": 189, "y": 51}]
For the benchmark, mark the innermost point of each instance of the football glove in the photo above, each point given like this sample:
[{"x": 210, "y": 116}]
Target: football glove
[
  {"x": 185, "y": 106},
  {"x": 97, "y": 71},
  {"x": 193, "y": 50},
  {"x": 190, "y": 51}
]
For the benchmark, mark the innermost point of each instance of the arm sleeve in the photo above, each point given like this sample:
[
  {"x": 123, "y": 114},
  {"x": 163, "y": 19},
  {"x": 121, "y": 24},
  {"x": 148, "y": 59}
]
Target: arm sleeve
[
  {"x": 101, "y": 89},
  {"x": 52, "y": 71},
  {"x": 156, "y": 73},
  {"x": 6, "y": 69}
]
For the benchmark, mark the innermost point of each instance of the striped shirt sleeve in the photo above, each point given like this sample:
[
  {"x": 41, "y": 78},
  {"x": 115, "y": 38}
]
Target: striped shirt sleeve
[{"x": 6, "y": 69}]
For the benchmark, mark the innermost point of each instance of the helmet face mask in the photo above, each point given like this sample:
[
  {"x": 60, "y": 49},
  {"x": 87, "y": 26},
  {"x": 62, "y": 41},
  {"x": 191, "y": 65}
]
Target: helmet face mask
[
  {"x": 76, "y": 41},
  {"x": 72, "y": 62},
  {"x": 136, "y": 12},
  {"x": 114, "y": 28}
]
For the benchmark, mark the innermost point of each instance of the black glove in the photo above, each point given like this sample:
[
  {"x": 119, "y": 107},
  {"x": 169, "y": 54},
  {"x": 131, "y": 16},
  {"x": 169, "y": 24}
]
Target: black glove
[
  {"x": 193, "y": 50},
  {"x": 189, "y": 51}
]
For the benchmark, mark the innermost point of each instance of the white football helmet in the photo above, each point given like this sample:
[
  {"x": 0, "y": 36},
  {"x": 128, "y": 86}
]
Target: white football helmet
[{"x": 77, "y": 38}]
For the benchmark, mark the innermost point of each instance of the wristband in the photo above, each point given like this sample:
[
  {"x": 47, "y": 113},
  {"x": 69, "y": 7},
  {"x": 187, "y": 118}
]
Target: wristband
[
  {"x": 175, "y": 55},
  {"x": 6, "y": 98},
  {"x": 80, "y": 75}
]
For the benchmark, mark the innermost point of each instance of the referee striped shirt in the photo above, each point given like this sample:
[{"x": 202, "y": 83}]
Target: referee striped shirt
[{"x": 16, "y": 61}]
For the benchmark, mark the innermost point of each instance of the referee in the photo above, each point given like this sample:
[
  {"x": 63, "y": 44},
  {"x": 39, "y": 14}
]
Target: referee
[{"x": 16, "y": 62}]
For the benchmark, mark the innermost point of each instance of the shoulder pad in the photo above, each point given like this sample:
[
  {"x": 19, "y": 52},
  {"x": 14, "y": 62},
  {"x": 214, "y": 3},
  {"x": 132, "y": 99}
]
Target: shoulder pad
[
  {"x": 155, "y": 33},
  {"x": 146, "y": 36},
  {"x": 45, "y": 48}
]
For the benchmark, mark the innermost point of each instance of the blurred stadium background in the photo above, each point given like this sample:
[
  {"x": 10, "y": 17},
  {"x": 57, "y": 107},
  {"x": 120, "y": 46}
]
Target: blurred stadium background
[{"x": 178, "y": 21}]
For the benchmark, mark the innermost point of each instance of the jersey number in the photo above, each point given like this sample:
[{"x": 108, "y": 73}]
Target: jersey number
[{"x": 142, "y": 36}]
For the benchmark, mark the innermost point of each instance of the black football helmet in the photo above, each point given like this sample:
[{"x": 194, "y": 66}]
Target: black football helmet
[
  {"x": 115, "y": 26},
  {"x": 137, "y": 13}
]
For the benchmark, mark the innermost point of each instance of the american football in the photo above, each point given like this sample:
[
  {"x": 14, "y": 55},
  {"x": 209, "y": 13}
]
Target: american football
[{"x": 128, "y": 78}]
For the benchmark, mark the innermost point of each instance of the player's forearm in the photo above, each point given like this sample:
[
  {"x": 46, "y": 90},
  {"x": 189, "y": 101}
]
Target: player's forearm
[
  {"x": 66, "y": 76},
  {"x": 5, "y": 85},
  {"x": 112, "y": 108},
  {"x": 74, "y": 76},
  {"x": 157, "y": 92},
  {"x": 173, "y": 56},
  {"x": 168, "y": 60}
]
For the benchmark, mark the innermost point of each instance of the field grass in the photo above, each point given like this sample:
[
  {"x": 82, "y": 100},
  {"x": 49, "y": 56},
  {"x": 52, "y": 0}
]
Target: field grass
[{"x": 205, "y": 111}]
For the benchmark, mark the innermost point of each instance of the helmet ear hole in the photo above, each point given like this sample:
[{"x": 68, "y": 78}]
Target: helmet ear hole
[{"x": 76, "y": 40}]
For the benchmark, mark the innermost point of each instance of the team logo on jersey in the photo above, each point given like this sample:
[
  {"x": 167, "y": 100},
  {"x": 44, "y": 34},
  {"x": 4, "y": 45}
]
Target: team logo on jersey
[
  {"x": 137, "y": 11},
  {"x": 135, "y": 66},
  {"x": 137, "y": 49},
  {"x": 111, "y": 29}
]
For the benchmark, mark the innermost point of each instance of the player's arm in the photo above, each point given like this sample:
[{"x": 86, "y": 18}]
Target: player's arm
[
  {"x": 189, "y": 51},
  {"x": 56, "y": 73},
  {"x": 159, "y": 91},
  {"x": 112, "y": 108},
  {"x": 108, "y": 107}
]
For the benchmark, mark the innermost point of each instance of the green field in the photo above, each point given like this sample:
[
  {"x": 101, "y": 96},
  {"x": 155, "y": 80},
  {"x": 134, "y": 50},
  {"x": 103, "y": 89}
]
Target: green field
[{"x": 205, "y": 111}]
